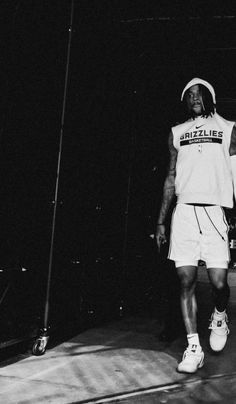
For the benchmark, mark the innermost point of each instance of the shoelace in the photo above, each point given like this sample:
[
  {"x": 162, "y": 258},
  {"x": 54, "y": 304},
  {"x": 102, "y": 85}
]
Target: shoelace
[
  {"x": 218, "y": 323},
  {"x": 189, "y": 351}
]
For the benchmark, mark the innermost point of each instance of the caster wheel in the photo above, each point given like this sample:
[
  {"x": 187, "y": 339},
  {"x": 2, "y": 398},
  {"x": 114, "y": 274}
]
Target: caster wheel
[{"x": 39, "y": 347}]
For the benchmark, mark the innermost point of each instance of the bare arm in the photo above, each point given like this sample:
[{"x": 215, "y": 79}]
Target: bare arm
[
  {"x": 232, "y": 148},
  {"x": 169, "y": 184},
  {"x": 168, "y": 193},
  {"x": 232, "y": 152}
]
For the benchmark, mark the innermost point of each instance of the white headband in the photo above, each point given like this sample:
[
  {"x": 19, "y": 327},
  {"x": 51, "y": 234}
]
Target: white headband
[{"x": 195, "y": 81}]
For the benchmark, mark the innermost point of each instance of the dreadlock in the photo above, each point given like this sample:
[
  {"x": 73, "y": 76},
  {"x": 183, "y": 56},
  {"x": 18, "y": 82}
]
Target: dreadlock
[{"x": 208, "y": 105}]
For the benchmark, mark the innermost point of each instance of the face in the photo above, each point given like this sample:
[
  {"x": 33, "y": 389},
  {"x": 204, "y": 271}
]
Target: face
[{"x": 194, "y": 100}]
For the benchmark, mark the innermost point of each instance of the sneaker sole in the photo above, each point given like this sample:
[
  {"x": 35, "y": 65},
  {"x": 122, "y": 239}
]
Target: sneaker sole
[
  {"x": 218, "y": 350},
  {"x": 200, "y": 365}
]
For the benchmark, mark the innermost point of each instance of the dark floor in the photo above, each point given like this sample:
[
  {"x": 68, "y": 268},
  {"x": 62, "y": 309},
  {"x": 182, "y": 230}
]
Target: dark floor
[{"x": 125, "y": 362}]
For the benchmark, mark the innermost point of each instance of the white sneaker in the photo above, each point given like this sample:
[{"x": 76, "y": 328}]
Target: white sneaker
[
  {"x": 193, "y": 359},
  {"x": 219, "y": 333}
]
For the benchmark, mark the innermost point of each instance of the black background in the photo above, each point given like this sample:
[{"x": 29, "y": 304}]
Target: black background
[{"x": 129, "y": 63}]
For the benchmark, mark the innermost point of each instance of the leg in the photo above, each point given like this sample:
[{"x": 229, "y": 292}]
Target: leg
[
  {"x": 218, "y": 325},
  {"x": 193, "y": 356},
  {"x": 170, "y": 287},
  {"x": 221, "y": 292},
  {"x": 188, "y": 278}
]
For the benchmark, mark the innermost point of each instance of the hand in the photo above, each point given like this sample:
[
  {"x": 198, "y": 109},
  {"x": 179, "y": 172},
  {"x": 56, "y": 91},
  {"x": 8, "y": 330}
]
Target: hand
[{"x": 161, "y": 236}]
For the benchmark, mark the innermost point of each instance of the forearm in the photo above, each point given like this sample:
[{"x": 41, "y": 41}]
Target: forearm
[{"x": 168, "y": 195}]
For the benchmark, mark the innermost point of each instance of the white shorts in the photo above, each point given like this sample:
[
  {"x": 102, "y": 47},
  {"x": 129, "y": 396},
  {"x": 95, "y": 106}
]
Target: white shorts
[{"x": 199, "y": 233}]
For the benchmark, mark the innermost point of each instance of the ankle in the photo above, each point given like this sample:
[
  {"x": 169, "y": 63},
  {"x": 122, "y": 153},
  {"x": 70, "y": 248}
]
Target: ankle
[
  {"x": 193, "y": 339},
  {"x": 219, "y": 315}
]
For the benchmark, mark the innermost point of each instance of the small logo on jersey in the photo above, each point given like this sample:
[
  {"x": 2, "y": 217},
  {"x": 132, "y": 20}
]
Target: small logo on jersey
[{"x": 197, "y": 127}]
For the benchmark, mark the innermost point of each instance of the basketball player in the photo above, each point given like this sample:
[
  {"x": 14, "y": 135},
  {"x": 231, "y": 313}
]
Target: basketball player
[{"x": 201, "y": 173}]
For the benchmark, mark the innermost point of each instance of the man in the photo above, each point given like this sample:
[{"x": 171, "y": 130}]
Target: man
[{"x": 201, "y": 173}]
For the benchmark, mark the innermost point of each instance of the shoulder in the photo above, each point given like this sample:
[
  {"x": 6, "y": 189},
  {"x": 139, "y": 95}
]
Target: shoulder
[
  {"x": 180, "y": 128},
  {"x": 226, "y": 122},
  {"x": 180, "y": 125}
]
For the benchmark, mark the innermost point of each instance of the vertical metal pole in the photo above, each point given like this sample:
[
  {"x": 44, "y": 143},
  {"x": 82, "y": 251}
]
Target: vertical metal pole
[
  {"x": 132, "y": 154},
  {"x": 58, "y": 169},
  {"x": 130, "y": 172}
]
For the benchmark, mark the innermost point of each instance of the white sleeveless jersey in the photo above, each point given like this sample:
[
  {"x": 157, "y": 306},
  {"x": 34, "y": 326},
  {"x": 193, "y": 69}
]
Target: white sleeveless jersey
[{"x": 203, "y": 169}]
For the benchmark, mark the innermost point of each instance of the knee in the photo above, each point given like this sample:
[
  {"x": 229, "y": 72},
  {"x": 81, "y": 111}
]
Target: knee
[
  {"x": 220, "y": 284},
  {"x": 187, "y": 285},
  {"x": 188, "y": 278}
]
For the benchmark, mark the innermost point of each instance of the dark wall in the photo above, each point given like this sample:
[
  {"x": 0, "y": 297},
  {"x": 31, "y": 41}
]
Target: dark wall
[{"x": 127, "y": 68}]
